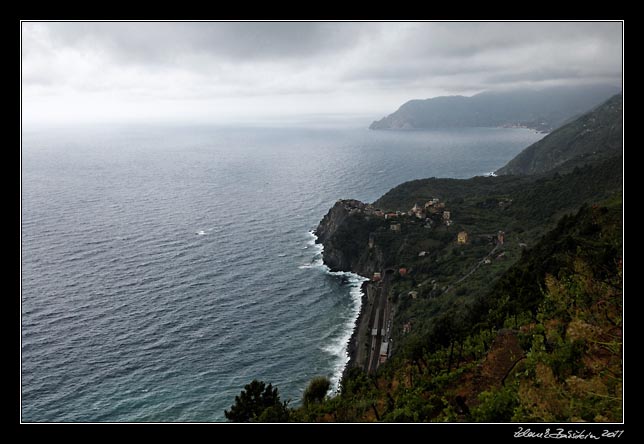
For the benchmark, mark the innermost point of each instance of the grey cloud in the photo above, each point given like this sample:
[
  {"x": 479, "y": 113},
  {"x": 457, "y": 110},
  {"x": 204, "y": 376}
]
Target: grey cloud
[
  {"x": 150, "y": 42},
  {"x": 448, "y": 55},
  {"x": 472, "y": 38},
  {"x": 380, "y": 62}
]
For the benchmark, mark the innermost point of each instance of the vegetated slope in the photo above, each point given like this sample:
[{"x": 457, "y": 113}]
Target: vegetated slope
[
  {"x": 595, "y": 136},
  {"x": 543, "y": 343},
  {"x": 543, "y": 109}
]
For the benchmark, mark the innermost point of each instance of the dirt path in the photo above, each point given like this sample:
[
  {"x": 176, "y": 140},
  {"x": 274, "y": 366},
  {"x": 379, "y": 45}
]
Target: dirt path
[{"x": 478, "y": 264}]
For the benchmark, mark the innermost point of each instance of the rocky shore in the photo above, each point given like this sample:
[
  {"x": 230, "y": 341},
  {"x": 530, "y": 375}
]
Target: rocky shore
[{"x": 344, "y": 233}]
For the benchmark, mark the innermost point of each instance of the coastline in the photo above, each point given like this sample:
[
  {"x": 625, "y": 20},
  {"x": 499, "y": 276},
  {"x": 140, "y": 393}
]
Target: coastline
[
  {"x": 354, "y": 343},
  {"x": 362, "y": 347}
]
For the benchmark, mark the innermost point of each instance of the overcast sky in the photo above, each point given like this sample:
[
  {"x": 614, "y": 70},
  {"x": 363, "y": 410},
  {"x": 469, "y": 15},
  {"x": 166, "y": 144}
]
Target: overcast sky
[{"x": 221, "y": 71}]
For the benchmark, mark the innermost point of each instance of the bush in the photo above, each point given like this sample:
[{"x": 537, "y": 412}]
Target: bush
[
  {"x": 496, "y": 405},
  {"x": 258, "y": 402},
  {"x": 316, "y": 390}
]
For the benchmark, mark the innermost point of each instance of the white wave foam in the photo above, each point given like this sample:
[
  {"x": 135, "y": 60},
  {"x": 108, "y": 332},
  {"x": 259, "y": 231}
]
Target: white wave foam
[
  {"x": 338, "y": 347},
  {"x": 315, "y": 263},
  {"x": 200, "y": 233},
  {"x": 312, "y": 238}
]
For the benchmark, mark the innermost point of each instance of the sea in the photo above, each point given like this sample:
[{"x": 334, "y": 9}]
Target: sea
[{"x": 164, "y": 267}]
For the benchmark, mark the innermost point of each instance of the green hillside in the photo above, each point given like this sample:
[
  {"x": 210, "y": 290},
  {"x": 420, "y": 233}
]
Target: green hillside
[{"x": 593, "y": 137}]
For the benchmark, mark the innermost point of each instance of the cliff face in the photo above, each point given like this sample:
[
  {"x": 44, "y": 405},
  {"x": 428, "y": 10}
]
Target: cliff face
[{"x": 344, "y": 232}]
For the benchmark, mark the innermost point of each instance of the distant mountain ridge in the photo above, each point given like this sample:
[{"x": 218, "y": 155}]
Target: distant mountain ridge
[
  {"x": 542, "y": 110},
  {"x": 590, "y": 138}
]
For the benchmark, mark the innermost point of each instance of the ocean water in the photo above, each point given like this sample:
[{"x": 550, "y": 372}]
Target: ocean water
[{"x": 162, "y": 269}]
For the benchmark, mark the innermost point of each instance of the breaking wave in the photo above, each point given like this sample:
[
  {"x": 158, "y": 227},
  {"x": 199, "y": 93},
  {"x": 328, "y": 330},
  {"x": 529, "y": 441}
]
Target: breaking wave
[{"x": 337, "y": 348}]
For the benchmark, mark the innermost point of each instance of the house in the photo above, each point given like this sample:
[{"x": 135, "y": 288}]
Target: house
[
  {"x": 501, "y": 255},
  {"x": 487, "y": 260},
  {"x": 461, "y": 237},
  {"x": 372, "y": 240},
  {"x": 446, "y": 215},
  {"x": 390, "y": 215},
  {"x": 402, "y": 271},
  {"x": 376, "y": 277},
  {"x": 429, "y": 203},
  {"x": 413, "y": 294},
  {"x": 422, "y": 254},
  {"x": 395, "y": 227},
  {"x": 418, "y": 211},
  {"x": 406, "y": 327},
  {"x": 448, "y": 223},
  {"x": 500, "y": 237}
]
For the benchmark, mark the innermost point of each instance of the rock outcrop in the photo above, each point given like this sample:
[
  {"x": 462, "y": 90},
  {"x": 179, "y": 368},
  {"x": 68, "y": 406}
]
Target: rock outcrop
[{"x": 344, "y": 232}]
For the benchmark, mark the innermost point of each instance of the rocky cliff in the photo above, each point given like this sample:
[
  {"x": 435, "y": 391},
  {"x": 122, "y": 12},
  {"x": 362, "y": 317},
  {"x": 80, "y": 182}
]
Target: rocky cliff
[{"x": 344, "y": 232}]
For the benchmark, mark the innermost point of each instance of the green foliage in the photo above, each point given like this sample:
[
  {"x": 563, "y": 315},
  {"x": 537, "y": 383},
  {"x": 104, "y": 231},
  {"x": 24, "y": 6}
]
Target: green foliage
[
  {"x": 592, "y": 137},
  {"x": 521, "y": 287},
  {"x": 258, "y": 402},
  {"x": 316, "y": 390},
  {"x": 496, "y": 405},
  {"x": 355, "y": 382},
  {"x": 574, "y": 369}
]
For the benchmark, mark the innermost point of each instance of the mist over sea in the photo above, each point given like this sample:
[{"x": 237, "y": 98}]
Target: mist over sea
[{"x": 163, "y": 268}]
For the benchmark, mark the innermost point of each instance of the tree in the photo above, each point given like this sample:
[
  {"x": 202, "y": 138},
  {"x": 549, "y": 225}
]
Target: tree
[
  {"x": 258, "y": 402},
  {"x": 316, "y": 390}
]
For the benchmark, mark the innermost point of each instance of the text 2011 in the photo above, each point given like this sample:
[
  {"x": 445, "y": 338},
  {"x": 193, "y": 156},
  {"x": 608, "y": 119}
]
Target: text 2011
[{"x": 612, "y": 433}]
